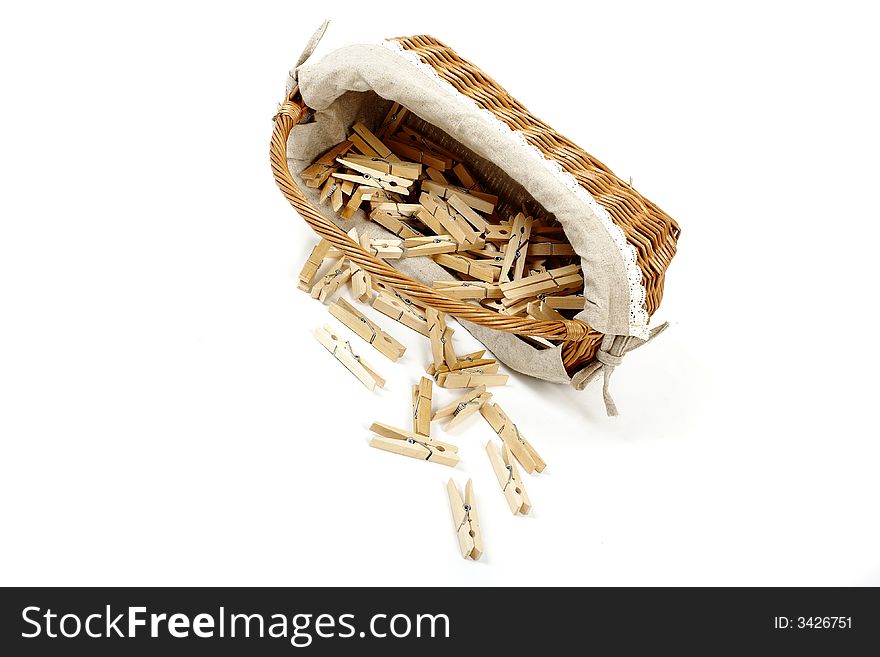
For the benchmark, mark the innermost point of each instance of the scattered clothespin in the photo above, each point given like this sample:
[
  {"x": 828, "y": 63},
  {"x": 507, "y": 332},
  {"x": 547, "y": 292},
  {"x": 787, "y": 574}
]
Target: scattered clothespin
[
  {"x": 441, "y": 339},
  {"x": 549, "y": 282},
  {"x": 327, "y": 285},
  {"x": 515, "y": 441},
  {"x": 463, "y": 407},
  {"x": 517, "y": 248},
  {"x": 402, "y": 310},
  {"x": 316, "y": 258},
  {"x": 465, "y": 520},
  {"x": 421, "y": 398},
  {"x": 468, "y": 360},
  {"x": 344, "y": 353},
  {"x": 508, "y": 479},
  {"x": 357, "y": 322},
  {"x": 409, "y": 444},
  {"x": 471, "y": 378}
]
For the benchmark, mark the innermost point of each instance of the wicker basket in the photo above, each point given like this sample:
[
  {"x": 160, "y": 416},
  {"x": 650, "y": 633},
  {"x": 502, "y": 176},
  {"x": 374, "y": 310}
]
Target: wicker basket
[{"x": 647, "y": 228}]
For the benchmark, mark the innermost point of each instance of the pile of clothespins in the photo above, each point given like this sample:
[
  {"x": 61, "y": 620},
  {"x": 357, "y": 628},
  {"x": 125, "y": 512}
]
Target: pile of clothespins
[
  {"x": 517, "y": 265},
  {"x": 499, "y": 265}
]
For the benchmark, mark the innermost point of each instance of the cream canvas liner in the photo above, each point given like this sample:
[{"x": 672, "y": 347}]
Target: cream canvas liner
[{"x": 358, "y": 82}]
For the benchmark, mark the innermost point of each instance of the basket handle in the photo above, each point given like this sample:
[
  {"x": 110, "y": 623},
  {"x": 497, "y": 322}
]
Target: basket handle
[{"x": 289, "y": 114}]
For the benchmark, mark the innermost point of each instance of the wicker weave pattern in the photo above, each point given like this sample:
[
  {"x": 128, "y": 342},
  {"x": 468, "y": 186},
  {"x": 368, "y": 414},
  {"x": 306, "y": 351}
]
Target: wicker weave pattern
[{"x": 651, "y": 231}]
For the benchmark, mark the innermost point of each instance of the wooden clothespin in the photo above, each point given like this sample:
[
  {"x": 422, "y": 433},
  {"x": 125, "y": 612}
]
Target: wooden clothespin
[
  {"x": 421, "y": 399},
  {"x": 463, "y": 407},
  {"x": 464, "y": 290},
  {"x": 318, "y": 172},
  {"x": 357, "y": 322},
  {"x": 332, "y": 189},
  {"x": 402, "y": 209},
  {"x": 344, "y": 353},
  {"x": 465, "y": 520},
  {"x": 571, "y": 302},
  {"x": 468, "y": 360},
  {"x": 373, "y": 177},
  {"x": 479, "y": 269},
  {"x": 386, "y": 248},
  {"x": 466, "y": 211},
  {"x": 471, "y": 378},
  {"x": 403, "y": 310},
  {"x": 539, "y": 310},
  {"x": 498, "y": 232},
  {"x": 508, "y": 478},
  {"x": 436, "y": 176},
  {"x": 515, "y": 441},
  {"x": 409, "y": 444},
  {"x": 550, "y": 249},
  {"x": 374, "y": 143},
  {"x": 393, "y": 223},
  {"x": 517, "y": 248},
  {"x": 550, "y": 282},
  {"x": 441, "y": 339},
  {"x": 418, "y": 153},
  {"x": 479, "y": 201},
  {"x": 465, "y": 178},
  {"x": 326, "y": 286},
  {"x": 409, "y": 170},
  {"x": 319, "y": 254},
  {"x": 361, "y": 281},
  {"x": 392, "y": 120},
  {"x": 360, "y": 194},
  {"x": 429, "y": 245}
]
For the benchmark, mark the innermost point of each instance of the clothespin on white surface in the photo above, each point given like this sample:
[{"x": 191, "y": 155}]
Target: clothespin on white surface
[
  {"x": 441, "y": 339},
  {"x": 357, "y": 322},
  {"x": 327, "y": 285},
  {"x": 320, "y": 252},
  {"x": 344, "y": 353},
  {"x": 463, "y": 407},
  {"x": 401, "y": 309},
  {"x": 472, "y": 377},
  {"x": 515, "y": 441},
  {"x": 508, "y": 478},
  {"x": 406, "y": 443},
  {"x": 421, "y": 399},
  {"x": 465, "y": 520}
]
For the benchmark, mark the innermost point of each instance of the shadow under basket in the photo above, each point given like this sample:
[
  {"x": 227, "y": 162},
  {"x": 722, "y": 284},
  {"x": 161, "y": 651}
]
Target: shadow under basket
[{"x": 623, "y": 242}]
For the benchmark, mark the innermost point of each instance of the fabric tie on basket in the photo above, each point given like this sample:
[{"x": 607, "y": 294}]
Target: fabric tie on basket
[{"x": 609, "y": 356}]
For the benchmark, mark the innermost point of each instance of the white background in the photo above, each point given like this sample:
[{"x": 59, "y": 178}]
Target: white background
[{"x": 167, "y": 418}]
